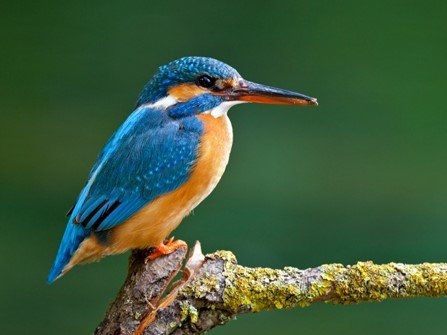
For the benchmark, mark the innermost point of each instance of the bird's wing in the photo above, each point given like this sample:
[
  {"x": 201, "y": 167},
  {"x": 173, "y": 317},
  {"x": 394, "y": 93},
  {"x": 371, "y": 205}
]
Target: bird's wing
[{"x": 149, "y": 155}]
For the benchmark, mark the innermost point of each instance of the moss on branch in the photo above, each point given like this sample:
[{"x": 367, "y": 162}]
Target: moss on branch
[
  {"x": 263, "y": 288},
  {"x": 215, "y": 289}
]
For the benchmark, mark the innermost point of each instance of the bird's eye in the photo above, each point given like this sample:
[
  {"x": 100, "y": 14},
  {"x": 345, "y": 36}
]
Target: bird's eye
[{"x": 206, "y": 81}]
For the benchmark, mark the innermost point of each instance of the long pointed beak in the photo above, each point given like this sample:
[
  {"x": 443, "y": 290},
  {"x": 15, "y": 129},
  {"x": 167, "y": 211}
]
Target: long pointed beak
[{"x": 248, "y": 91}]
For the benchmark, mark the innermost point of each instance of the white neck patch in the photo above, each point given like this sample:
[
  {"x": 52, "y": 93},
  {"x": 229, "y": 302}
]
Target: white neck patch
[
  {"x": 163, "y": 103},
  {"x": 223, "y": 108}
]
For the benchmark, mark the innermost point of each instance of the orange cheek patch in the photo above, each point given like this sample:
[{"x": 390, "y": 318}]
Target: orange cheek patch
[{"x": 184, "y": 92}]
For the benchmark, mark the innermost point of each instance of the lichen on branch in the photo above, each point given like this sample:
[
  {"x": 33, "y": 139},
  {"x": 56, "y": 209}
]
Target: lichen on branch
[
  {"x": 214, "y": 289},
  {"x": 263, "y": 288}
]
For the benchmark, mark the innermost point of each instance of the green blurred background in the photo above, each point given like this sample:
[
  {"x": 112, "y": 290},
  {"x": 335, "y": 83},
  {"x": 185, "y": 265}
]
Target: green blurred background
[{"x": 361, "y": 177}]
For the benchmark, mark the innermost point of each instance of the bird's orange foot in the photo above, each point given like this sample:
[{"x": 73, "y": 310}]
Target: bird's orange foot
[{"x": 166, "y": 248}]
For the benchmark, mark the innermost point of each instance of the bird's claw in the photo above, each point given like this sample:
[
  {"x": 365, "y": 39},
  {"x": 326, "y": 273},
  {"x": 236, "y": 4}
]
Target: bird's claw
[{"x": 166, "y": 248}]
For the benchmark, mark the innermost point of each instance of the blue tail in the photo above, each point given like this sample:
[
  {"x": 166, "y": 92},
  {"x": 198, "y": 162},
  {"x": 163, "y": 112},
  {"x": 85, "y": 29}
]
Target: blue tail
[{"x": 73, "y": 236}]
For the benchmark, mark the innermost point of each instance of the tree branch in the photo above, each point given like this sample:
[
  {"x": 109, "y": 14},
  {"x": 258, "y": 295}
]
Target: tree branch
[{"x": 214, "y": 289}]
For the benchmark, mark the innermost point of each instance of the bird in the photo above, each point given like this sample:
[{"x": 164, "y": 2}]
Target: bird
[{"x": 166, "y": 158}]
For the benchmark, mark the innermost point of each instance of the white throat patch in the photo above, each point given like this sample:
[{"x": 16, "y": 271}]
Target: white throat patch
[{"x": 223, "y": 108}]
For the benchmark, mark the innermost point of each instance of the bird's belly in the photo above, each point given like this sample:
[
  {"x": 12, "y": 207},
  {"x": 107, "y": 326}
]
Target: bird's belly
[{"x": 154, "y": 222}]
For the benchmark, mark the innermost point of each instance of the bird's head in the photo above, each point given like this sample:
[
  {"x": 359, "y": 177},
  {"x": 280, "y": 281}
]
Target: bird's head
[{"x": 193, "y": 85}]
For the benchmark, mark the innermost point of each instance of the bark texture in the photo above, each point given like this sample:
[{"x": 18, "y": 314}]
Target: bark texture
[{"x": 214, "y": 289}]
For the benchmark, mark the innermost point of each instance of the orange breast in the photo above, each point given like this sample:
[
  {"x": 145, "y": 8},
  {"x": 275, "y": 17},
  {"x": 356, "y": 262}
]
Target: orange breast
[{"x": 153, "y": 223}]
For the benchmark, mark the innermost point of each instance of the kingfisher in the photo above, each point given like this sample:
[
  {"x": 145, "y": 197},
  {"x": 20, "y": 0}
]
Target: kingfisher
[{"x": 165, "y": 159}]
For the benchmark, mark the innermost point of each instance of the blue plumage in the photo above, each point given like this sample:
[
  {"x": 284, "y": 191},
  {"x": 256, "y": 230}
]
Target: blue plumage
[
  {"x": 150, "y": 154},
  {"x": 194, "y": 106}
]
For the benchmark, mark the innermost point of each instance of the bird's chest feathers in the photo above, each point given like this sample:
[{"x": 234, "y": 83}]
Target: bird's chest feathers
[
  {"x": 212, "y": 157},
  {"x": 155, "y": 221},
  {"x": 213, "y": 153}
]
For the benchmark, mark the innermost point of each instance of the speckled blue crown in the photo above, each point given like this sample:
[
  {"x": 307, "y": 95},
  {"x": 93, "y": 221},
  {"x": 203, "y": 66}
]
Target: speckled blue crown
[{"x": 183, "y": 70}]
